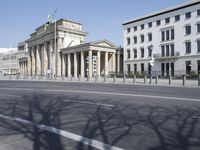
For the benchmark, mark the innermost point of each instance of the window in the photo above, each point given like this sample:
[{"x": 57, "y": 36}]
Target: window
[
  {"x": 128, "y": 54},
  {"x": 198, "y": 66},
  {"x": 172, "y": 34},
  {"x": 142, "y": 52},
  {"x": 142, "y": 38},
  {"x": 135, "y": 28},
  {"x": 187, "y": 15},
  {"x": 167, "y": 50},
  {"x": 128, "y": 41},
  {"x": 188, "y": 67},
  {"x": 167, "y": 35},
  {"x": 163, "y": 51},
  {"x": 135, "y": 68},
  {"x": 198, "y": 46},
  {"x": 163, "y": 35},
  {"x": 188, "y": 29},
  {"x": 172, "y": 50},
  {"x": 198, "y": 27},
  {"x": 177, "y": 17},
  {"x": 128, "y": 68},
  {"x": 198, "y": 12},
  {"x": 142, "y": 67},
  {"x": 149, "y": 36},
  {"x": 149, "y": 52},
  {"x": 167, "y": 20},
  {"x": 172, "y": 69},
  {"x": 158, "y": 22},
  {"x": 162, "y": 69},
  {"x": 135, "y": 39},
  {"x": 150, "y": 24},
  {"x": 167, "y": 69},
  {"x": 142, "y": 26},
  {"x": 188, "y": 47},
  {"x": 135, "y": 53},
  {"x": 128, "y": 30}
]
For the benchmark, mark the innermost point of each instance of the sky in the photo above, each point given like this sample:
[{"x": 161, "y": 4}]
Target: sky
[{"x": 102, "y": 19}]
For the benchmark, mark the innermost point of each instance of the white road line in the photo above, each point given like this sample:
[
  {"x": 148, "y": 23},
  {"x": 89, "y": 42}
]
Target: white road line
[
  {"x": 9, "y": 95},
  {"x": 124, "y": 94},
  {"x": 155, "y": 90},
  {"x": 69, "y": 135},
  {"x": 90, "y": 103},
  {"x": 116, "y": 94}
]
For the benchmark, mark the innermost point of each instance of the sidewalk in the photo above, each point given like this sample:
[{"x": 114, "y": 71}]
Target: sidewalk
[{"x": 127, "y": 81}]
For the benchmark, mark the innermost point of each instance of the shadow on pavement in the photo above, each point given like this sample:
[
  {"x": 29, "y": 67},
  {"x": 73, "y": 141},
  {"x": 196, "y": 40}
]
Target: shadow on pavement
[{"x": 140, "y": 127}]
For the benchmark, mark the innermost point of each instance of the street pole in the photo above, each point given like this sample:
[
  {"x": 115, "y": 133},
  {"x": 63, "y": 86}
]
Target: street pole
[{"x": 55, "y": 49}]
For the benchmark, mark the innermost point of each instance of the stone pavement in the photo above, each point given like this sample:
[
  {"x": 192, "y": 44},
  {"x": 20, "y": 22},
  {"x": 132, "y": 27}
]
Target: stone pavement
[{"x": 138, "y": 81}]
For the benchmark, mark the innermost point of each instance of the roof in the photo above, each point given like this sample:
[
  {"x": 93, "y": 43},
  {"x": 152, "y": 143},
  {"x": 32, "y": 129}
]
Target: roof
[
  {"x": 94, "y": 43},
  {"x": 167, "y": 10}
]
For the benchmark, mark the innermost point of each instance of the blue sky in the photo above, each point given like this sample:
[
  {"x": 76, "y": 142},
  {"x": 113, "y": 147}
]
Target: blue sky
[{"x": 101, "y": 18}]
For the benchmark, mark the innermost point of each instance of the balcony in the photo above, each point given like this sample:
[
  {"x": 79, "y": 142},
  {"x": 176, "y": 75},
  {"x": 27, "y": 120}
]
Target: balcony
[{"x": 158, "y": 56}]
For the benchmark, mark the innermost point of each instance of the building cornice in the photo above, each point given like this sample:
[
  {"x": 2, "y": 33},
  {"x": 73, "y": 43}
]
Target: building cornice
[{"x": 168, "y": 10}]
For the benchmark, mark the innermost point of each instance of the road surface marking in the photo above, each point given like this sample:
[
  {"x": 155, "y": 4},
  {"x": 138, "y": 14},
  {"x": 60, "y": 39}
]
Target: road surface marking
[
  {"x": 69, "y": 135},
  {"x": 108, "y": 93},
  {"x": 90, "y": 103},
  {"x": 155, "y": 90},
  {"x": 9, "y": 95},
  {"x": 124, "y": 94}
]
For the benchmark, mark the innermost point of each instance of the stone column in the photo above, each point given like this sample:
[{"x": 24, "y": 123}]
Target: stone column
[
  {"x": 90, "y": 63},
  {"x": 98, "y": 63},
  {"x": 82, "y": 64},
  {"x": 69, "y": 65},
  {"x": 118, "y": 62},
  {"x": 52, "y": 57},
  {"x": 29, "y": 62},
  {"x": 106, "y": 64},
  {"x": 33, "y": 53},
  {"x": 75, "y": 65},
  {"x": 114, "y": 62},
  {"x": 23, "y": 68},
  {"x": 63, "y": 65},
  {"x": 38, "y": 60},
  {"x": 58, "y": 66},
  {"x": 45, "y": 59}
]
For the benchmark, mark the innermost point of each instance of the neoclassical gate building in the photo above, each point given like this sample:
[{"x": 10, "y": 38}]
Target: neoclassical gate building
[{"x": 69, "y": 54}]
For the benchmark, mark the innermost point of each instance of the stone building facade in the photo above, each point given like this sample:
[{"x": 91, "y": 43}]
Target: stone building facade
[
  {"x": 44, "y": 52},
  {"x": 69, "y": 55}
]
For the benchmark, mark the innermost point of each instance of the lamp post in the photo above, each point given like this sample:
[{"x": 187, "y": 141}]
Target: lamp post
[
  {"x": 151, "y": 62},
  {"x": 52, "y": 19}
]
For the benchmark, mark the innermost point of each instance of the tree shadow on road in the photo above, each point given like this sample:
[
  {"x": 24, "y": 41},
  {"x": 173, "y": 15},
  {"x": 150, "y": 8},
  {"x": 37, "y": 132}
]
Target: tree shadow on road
[
  {"x": 145, "y": 127},
  {"x": 140, "y": 127}
]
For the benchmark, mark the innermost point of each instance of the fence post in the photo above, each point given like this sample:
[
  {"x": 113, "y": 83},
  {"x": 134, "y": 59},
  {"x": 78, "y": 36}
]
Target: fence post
[
  {"x": 63, "y": 77},
  {"x": 124, "y": 78},
  {"x": 96, "y": 78},
  {"x": 184, "y": 79},
  {"x": 170, "y": 79},
  {"x": 104, "y": 78},
  {"x": 199, "y": 80},
  {"x": 114, "y": 78},
  {"x": 145, "y": 79},
  {"x": 79, "y": 77},
  {"x": 156, "y": 80},
  {"x": 134, "y": 78}
]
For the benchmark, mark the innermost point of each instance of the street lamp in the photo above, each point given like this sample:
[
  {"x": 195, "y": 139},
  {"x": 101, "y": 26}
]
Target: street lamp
[
  {"x": 151, "y": 62},
  {"x": 52, "y": 19}
]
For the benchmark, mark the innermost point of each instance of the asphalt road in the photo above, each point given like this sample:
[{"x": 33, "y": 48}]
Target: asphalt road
[{"x": 86, "y": 116}]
